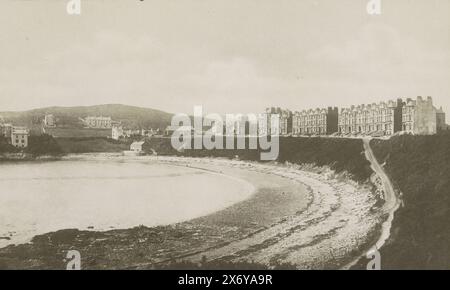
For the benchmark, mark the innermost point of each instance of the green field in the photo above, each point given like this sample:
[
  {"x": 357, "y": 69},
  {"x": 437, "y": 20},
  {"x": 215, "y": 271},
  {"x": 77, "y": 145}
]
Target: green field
[
  {"x": 91, "y": 145},
  {"x": 78, "y": 132}
]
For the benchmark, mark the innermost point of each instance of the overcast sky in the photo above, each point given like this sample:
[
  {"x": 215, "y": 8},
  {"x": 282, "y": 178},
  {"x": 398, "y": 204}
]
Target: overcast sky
[{"x": 229, "y": 56}]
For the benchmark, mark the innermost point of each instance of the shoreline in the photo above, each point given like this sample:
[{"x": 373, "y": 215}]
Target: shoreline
[
  {"x": 26, "y": 157},
  {"x": 134, "y": 203},
  {"x": 206, "y": 230}
]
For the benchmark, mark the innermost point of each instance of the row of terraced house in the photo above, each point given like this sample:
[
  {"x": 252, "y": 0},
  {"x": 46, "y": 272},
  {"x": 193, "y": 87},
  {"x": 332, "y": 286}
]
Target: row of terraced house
[{"x": 418, "y": 117}]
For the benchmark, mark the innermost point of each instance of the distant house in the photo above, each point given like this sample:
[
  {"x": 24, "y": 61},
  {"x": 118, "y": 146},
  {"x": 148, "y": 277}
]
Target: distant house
[
  {"x": 185, "y": 129},
  {"x": 6, "y": 130},
  {"x": 129, "y": 132},
  {"x": 148, "y": 132},
  {"x": 137, "y": 146},
  {"x": 169, "y": 130},
  {"x": 117, "y": 132},
  {"x": 98, "y": 122},
  {"x": 19, "y": 137},
  {"x": 49, "y": 121}
]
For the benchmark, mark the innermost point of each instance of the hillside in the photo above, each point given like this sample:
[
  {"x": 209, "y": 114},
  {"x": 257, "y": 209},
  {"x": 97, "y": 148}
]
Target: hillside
[
  {"x": 420, "y": 167},
  {"x": 130, "y": 116}
]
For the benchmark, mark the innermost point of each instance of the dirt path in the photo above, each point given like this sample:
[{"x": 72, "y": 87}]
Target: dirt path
[{"x": 392, "y": 200}]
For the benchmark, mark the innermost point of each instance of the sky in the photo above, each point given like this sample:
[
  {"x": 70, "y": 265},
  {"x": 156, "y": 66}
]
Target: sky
[{"x": 230, "y": 56}]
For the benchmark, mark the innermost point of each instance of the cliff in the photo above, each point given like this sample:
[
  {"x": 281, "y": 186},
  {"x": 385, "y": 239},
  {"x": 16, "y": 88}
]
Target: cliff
[{"x": 420, "y": 167}]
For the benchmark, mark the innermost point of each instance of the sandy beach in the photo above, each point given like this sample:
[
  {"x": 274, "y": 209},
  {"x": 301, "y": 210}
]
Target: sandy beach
[
  {"x": 305, "y": 216},
  {"x": 339, "y": 219}
]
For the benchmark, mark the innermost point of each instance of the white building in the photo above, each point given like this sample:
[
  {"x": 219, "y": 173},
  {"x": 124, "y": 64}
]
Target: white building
[
  {"x": 117, "y": 132},
  {"x": 98, "y": 122},
  {"x": 49, "y": 120},
  {"x": 137, "y": 146},
  {"x": 19, "y": 137}
]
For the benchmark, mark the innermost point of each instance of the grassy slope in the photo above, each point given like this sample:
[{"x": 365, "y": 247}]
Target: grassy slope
[
  {"x": 91, "y": 145},
  {"x": 5, "y": 147},
  {"x": 37, "y": 146},
  {"x": 78, "y": 132},
  {"x": 420, "y": 167}
]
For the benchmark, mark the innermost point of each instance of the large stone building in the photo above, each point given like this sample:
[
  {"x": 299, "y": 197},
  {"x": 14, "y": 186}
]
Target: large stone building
[
  {"x": 49, "y": 120},
  {"x": 420, "y": 117},
  {"x": 19, "y": 137},
  {"x": 117, "y": 132},
  {"x": 16, "y": 136},
  {"x": 380, "y": 119},
  {"x": 98, "y": 122},
  {"x": 285, "y": 122},
  {"x": 315, "y": 122}
]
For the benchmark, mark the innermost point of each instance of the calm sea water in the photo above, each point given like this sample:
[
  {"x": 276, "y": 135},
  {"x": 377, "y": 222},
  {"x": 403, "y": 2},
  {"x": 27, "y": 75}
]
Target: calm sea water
[{"x": 37, "y": 198}]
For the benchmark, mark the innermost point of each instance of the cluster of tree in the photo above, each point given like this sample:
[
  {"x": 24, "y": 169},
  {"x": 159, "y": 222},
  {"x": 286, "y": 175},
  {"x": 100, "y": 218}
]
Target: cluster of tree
[
  {"x": 37, "y": 145},
  {"x": 5, "y": 147},
  {"x": 43, "y": 145}
]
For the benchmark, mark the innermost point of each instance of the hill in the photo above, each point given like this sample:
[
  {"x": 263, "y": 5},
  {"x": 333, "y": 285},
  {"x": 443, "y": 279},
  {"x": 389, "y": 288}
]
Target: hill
[
  {"x": 420, "y": 167},
  {"x": 130, "y": 116}
]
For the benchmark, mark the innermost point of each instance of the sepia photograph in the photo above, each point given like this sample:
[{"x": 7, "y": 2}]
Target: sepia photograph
[{"x": 224, "y": 135}]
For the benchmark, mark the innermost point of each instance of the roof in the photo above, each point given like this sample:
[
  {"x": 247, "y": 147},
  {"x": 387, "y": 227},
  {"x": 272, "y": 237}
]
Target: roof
[
  {"x": 140, "y": 143},
  {"x": 19, "y": 130}
]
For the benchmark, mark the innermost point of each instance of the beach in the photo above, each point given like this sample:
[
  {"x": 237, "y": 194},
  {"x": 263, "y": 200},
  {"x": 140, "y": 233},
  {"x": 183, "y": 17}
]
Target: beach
[{"x": 305, "y": 216}]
